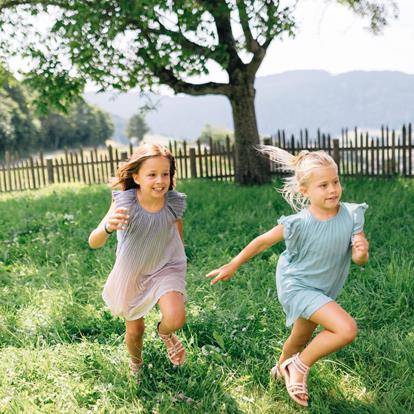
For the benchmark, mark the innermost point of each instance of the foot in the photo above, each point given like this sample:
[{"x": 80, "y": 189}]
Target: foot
[
  {"x": 135, "y": 367},
  {"x": 276, "y": 373},
  {"x": 296, "y": 373},
  {"x": 175, "y": 350}
]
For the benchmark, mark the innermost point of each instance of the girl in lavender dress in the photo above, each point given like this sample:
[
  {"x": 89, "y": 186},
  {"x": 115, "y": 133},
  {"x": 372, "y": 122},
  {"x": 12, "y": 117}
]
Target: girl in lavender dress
[{"x": 150, "y": 266}]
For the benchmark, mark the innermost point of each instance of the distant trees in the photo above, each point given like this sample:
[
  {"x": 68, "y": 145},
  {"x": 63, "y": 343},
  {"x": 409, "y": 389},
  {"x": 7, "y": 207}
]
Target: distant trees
[
  {"x": 22, "y": 130},
  {"x": 18, "y": 125},
  {"x": 215, "y": 133},
  {"x": 82, "y": 125},
  {"x": 136, "y": 128}
]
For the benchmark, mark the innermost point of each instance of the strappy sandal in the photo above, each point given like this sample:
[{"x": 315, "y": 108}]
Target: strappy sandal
[
  {"x": 135, "y": 368},
  {"x": 174, "y": 347},
  {"x": 276, "y": 373},
  {"x": 296, "y": 388}
]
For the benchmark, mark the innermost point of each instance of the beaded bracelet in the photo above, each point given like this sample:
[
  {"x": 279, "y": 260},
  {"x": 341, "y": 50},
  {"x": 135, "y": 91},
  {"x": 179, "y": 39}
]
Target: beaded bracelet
[{"x": 106, "y": 229}]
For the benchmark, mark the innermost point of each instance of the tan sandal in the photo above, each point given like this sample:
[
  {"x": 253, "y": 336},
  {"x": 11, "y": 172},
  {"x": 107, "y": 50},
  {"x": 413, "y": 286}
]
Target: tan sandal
[
  {"x": 135, "y": 368},
  {"x": 174, "y": 347},
  {"x": 296, "y": 388}
]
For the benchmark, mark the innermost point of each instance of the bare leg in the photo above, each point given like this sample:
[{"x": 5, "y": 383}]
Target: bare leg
[
  {"x": 173, "y": 317},
  {"x": 340, "y": 330},
  {"x": 301, "y": 334},
  {"x": 134, "y": 338}
]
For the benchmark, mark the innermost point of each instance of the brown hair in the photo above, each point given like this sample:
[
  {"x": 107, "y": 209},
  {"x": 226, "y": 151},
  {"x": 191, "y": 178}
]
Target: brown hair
[{"x": 132, "y": 165}]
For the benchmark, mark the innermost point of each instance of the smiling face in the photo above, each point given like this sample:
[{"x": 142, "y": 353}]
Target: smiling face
[
  {"x": 153, "y": 177},
  {"x": 323, "y": 189}
]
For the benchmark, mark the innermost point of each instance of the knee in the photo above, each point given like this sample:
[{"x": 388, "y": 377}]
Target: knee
[
  {"x": 175, "y": 321},
  {"x": 136, "y": 330},
  {"x": 348, "y": 331}
]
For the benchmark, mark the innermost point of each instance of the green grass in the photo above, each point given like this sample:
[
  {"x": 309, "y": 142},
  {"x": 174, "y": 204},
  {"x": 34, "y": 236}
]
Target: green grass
[{"x": 62, "y": 351}]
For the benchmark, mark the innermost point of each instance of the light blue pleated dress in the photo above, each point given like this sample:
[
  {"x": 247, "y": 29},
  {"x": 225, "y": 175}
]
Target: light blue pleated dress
[
  {"x": 150, "y": 257},
  {"x": 312, "y": 270}
]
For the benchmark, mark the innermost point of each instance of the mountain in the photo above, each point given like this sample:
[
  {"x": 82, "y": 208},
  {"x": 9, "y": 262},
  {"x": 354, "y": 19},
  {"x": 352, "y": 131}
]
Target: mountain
[{"x": 291, "y": 101}]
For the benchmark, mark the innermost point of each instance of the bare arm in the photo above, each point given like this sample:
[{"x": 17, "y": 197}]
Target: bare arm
[
  {"x": 360, "y": 249},
  {"x": 115, "y": 219},
  {"x": 179, "y": 225},
  {"x": 258, "y": 245}
]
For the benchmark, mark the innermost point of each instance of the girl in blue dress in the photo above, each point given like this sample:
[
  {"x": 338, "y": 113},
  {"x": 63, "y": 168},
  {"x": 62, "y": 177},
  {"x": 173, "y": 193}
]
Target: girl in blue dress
[{"x": 321, "y": 238}]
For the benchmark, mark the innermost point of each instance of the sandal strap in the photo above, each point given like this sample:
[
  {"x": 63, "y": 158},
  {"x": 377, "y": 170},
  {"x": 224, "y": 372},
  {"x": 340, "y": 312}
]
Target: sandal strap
[
  {"x": 297, "y": 388},
  {"x": 135, "y": 366},
  {"x": 173, "y": 344},
  {"x": 300, "y": 365}
]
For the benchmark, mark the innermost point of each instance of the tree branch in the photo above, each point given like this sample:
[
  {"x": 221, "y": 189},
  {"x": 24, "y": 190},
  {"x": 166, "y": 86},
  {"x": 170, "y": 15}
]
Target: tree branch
[
  {"x": 221, "y": 14},
  {"x": 210, "y": 88},
  {"x": 251, "y": 43}
]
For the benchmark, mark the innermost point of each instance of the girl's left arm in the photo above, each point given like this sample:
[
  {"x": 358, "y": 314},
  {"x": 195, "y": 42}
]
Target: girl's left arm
[
  {"x": 179, "y": 225},
  {"x": 360, "y": 249}
]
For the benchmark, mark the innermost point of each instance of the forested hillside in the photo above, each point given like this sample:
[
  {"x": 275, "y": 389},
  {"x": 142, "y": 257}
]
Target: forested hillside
[{"x": 23, "y": 129}]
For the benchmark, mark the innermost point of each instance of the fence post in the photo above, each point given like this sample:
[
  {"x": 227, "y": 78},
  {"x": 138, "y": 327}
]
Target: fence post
[
  {"x": 336, "y": 155},
  {"x": 111, "y": 160},
  {"x": 124, "y": 155},
  {"x": 49, "y": 167},
  {"x": 193, "y": 166}
]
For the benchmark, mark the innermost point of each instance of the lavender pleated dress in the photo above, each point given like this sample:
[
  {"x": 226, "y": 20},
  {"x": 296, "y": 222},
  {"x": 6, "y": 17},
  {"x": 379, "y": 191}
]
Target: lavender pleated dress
[{"x": 150, "y": 257}]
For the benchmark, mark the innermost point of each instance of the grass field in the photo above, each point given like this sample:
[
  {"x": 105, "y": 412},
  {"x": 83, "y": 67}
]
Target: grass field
[{"x": 62, "y": 351}]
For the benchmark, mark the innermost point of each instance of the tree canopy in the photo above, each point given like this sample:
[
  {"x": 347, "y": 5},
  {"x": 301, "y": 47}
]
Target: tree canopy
[
  {"x": 23, "y": 130},
  {"x": 121, "y": 44}
]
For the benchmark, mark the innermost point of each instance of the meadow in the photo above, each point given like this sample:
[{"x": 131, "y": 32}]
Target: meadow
[{"x": 63, "y": 352}]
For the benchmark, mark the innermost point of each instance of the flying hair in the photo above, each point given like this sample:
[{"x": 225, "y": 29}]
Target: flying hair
[{"x": 301, "y": 165}]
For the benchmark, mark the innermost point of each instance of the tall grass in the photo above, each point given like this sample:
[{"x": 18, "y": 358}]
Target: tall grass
[{"x": 62, "y": 351}]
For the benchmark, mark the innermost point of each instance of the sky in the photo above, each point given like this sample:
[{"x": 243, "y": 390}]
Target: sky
[{"x": 331, "y": 38}]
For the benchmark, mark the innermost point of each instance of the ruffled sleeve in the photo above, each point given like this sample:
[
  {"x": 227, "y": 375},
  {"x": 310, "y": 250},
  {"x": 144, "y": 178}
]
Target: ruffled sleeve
[
  {"x": 124, "y": 198},
  {"x": 290, "y": 226},
  {"x": 176, "y": 203},
  {"x": 358, "y": 211}
]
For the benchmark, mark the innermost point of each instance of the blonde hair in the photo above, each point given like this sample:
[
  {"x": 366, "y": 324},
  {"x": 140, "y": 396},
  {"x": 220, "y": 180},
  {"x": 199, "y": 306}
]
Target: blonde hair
[
  {"x": 132, "y": 165},
  {"x": 302, "y": 166}
]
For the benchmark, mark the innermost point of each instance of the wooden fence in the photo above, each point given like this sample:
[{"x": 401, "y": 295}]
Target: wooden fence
[{"x": 357, "y": 154}]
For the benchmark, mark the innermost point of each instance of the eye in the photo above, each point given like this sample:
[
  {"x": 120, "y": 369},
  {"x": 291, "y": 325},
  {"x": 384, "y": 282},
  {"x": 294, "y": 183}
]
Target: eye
[
  {"x": 166, "y": 174},
  {"x": 323, "y": 185}
]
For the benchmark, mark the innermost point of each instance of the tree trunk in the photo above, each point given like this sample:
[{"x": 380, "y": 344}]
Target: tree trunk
[{"x": 251, "y": 166}]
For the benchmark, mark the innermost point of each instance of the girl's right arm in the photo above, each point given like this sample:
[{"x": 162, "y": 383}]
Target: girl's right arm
[
  {"x": 258, "y": 245},
  {"x": 115, "y": 219}
]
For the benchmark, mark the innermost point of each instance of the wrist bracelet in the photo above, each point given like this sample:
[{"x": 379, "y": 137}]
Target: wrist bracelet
[{"x": 106, "y": 229}]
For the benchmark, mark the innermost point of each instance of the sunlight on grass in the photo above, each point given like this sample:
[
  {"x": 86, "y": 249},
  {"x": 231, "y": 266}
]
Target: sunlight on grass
[{"x": 63, "y": 352}]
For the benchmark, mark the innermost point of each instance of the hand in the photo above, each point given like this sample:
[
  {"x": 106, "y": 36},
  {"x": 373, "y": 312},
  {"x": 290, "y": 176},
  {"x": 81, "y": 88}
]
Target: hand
[
  {"x": 118, "y": 220},
  {"x": 360, "y": 248},
  {"x": 222, "y": 273}
]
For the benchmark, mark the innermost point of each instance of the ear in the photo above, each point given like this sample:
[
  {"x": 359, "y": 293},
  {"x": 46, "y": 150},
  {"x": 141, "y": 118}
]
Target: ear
[
  {"x": 304, "y": 191},
  {"x": 135, "y": 178}
]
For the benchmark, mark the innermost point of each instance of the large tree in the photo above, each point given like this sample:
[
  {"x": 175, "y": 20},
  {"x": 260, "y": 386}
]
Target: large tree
[{"x": 123, "y": 44}]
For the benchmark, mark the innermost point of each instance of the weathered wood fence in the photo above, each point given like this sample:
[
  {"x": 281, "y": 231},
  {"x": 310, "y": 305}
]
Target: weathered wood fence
[
  {"x": 389, "y": 154},
  {"x": 357, "y": 154}
]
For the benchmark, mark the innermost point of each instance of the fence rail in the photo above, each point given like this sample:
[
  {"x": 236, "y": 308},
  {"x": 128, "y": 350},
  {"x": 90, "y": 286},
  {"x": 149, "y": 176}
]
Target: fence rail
[{"x": 357, "y": 154}]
